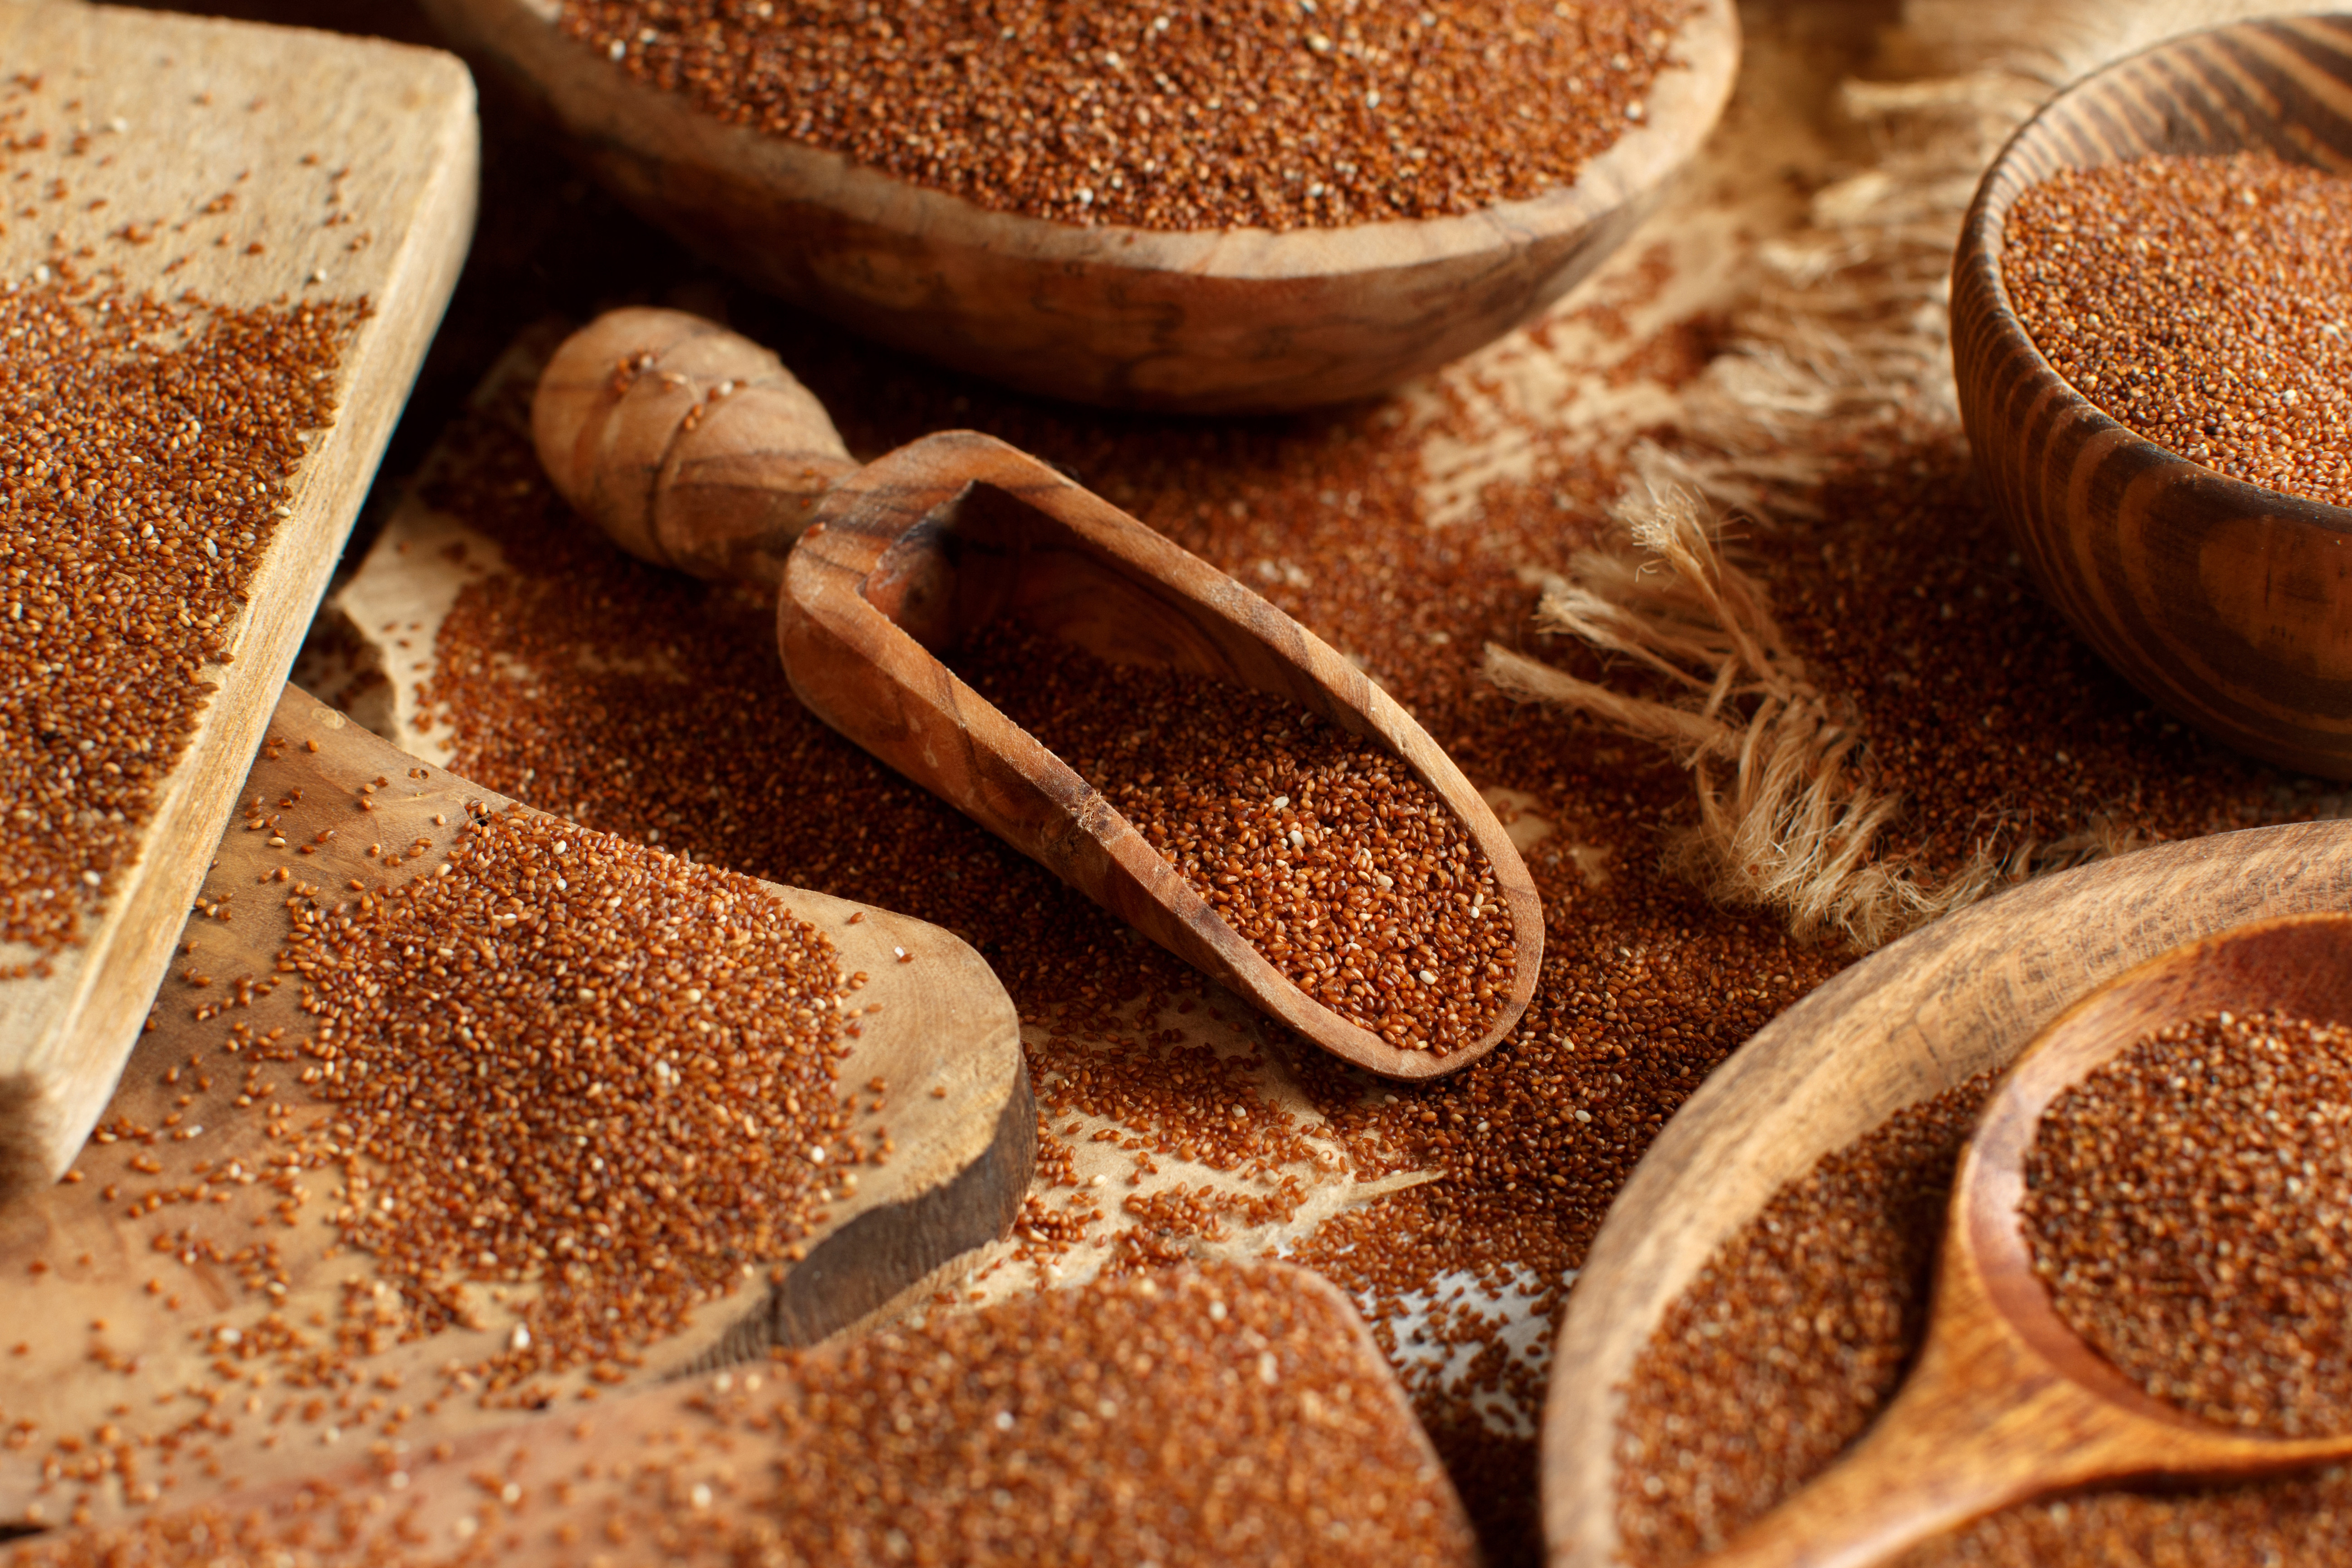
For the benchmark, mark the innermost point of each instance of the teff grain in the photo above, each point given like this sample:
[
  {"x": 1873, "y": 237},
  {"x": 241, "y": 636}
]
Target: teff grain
[
  {"x": 145, "y": 449},
  {"x": 2186, "y": 1206},
  {"x": 1221, "y": 1414},
  {"x": 576, "y": 1060},
  {"x": 2199, "y": 301},
  {"x": 1240, "y": 113},
  {"x": 1321, "y": 849}
]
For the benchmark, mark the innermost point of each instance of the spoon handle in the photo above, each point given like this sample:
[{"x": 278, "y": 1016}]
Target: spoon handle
[
  {"x": 1983, "y": 1421},
  {"x": 692, "y": 445}
]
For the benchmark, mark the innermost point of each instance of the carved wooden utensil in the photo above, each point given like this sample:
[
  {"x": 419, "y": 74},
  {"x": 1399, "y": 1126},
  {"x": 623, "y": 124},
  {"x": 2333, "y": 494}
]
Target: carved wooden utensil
[
  {"x": 1209, "y": 321},
  {"x": 696, "y": 448},
  {"x": 2227, "y": 602},
  {"x": 2006, "y": 1402}
]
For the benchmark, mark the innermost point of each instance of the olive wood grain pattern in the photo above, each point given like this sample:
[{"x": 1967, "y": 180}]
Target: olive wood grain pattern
[
  {"x": 1951, "y": 1001},
  {"x": 2006, "y": 1402},
  {"x": 1209, "y": 321},
  {"x": 901, "y": 560},
  {"x": 919, "y": 550},
  {"x": 692, "y": 445},
  {"x": 2228, "y": 604},
  {"x": 943, "y": 1038},
  {"x": 317, "y": 141}
]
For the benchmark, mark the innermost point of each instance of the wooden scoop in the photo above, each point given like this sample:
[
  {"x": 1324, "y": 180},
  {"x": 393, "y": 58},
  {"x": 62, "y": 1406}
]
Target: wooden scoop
[
  {"x": 696, "y": 448},
  {"x": 2007, "y": 1402}
]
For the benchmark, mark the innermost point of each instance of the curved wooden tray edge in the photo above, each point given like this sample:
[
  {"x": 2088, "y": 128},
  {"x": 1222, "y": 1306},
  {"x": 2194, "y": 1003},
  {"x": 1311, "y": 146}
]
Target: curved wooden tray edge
[{"x": 1964, "y": 995}]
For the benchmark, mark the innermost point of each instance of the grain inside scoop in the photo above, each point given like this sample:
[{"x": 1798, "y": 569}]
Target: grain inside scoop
[{"x": 1365, "y": 920}]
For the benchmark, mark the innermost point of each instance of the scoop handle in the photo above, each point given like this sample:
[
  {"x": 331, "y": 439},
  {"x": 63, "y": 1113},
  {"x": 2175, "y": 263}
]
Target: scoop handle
[{"x": 692, "y": 445}]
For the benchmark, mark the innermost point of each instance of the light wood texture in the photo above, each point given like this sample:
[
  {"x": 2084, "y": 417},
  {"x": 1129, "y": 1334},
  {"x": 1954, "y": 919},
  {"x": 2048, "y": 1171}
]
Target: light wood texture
[
  {"x": 180, "y": 112},
  {"x": 703, "y": 1454},
  {"x": 904, "y": 558},
  {"x": 2006, "y": 1402},
  {"x": 2229, "y": 603},
  {"x": 1214, "y": 321},
  {"x": 945, "y": 1043},
  {"x": 1931, "y": 1011}
]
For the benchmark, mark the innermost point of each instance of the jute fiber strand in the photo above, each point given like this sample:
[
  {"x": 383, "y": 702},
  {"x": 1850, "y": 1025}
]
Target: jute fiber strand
[{"x": 1846, "y": 329}]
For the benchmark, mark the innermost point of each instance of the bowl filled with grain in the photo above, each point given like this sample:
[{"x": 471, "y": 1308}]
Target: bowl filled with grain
[
  {"x": 2143, "y": 1268},
  {"x": 1225, "y": 207},
  {"x": 2152, "y": 335}
]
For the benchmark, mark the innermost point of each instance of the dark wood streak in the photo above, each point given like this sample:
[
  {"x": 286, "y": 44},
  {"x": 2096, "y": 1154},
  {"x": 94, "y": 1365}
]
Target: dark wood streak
[
  {"x": 1033, "y": 544},
  {"x": 2228, "y": 604},
  {"x": 1209, "y": 322}
]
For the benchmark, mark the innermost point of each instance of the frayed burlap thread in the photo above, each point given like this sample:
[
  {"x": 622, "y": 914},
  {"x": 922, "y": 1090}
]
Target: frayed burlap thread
[{"x": 1847, "y": 329}]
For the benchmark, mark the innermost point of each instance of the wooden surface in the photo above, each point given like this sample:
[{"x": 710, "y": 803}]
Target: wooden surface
[
  {"x": 1933, "y": 1010},
  {"x": 2229, "y": 603},
  {"x": 926, "y": 545},
  {"x": 1208, "y": 321},
  {"x": 962, "y": 1162},
  {"x": 2006, "y": 1402},
  {"x": 184, "y": 110},
  {"x": 693, "y": 445},
  {"x": 561, "y": 1492}
]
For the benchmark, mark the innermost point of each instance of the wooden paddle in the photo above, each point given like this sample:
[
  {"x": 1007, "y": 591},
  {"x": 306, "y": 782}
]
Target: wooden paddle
[
  {"x": 696, "y": 448},
  {"x": 250, "y": 166},
  {"x": 2006, "y": 1402},
  {"x": 188, "y": 1219},
  {"x": 1217, "y": 320}
]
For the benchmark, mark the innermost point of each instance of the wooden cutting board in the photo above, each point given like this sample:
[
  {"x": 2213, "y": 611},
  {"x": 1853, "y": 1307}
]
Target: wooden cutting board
[
  {"x": 252, "y": 166},
  {"x": 175, "y": 1225},
  {"x": 1948, "y": 1001}
]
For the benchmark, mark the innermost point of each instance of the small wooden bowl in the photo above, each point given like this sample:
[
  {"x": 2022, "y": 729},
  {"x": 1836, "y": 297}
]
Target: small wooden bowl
[
  {"x": 2227, "y": 602},
  {"x": 1211, "y": 321}
]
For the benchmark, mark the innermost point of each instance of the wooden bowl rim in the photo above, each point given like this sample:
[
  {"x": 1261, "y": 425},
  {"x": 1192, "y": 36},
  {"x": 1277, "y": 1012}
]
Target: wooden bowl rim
[
  {"x": 1886, "y": 1034},
  {"x": 1682, "y": 107},
  {"x": 1976, "y": 260}
]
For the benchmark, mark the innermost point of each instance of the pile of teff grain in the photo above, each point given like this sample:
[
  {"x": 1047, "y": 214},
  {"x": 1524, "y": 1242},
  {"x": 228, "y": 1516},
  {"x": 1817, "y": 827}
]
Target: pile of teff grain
[
  {"x": 145, "y": 448},
  {"x": 1321, "y": 849},
  {"x": 562, "y": 1057},
  {"x": 2189, "y": 1206},
  {"x": 2200, "y": 302},
  {"x": 1237, "y": 113},
  {"x": 2186, "y": 1207},
  {"x": 1221, "y": 1414}
]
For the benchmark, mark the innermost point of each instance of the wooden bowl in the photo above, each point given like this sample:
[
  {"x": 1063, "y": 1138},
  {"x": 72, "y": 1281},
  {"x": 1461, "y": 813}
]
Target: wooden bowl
[
  {"x": 1959, "y": 996},
  {"x": 1211, "y": 321},
  {"x": 2227, "y": 602}
]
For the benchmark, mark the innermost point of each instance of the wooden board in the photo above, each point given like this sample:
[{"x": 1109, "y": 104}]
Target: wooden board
[
  {"x": 698, "y": 1465},
  {"x": 945, "y": 1042},
  {"x": 1218, "y": 320},
  {"x": 1929, "y": 1012},
  {"x": 151, "y": 118}
]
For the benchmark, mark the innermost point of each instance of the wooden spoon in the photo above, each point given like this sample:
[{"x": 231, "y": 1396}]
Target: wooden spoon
[
  {"x": 696, "y": 448},
  {"x": 1217, "y": 320},
  {"x": 2007, "y": 1402}
]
